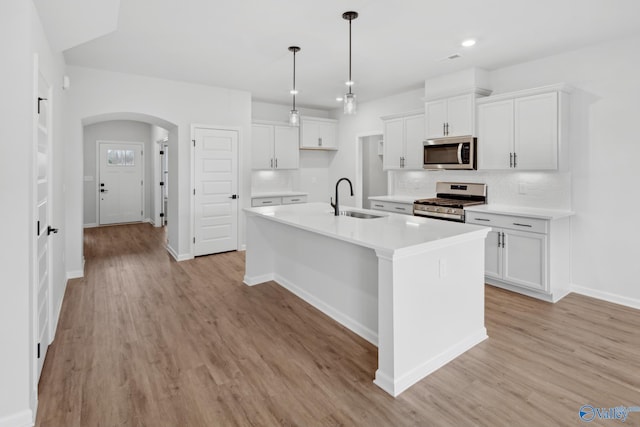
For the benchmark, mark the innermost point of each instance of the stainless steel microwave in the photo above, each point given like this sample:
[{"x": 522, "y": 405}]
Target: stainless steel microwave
[{"x": 456, "y": 152}]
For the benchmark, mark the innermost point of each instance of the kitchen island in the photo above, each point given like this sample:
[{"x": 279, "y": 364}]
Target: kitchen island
[{"x": 412, "y": 286}]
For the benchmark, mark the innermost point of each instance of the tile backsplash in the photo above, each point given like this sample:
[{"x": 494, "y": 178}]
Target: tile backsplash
[
  {"x": 549, "y": 190},
  {"x": 272, "y": 181}
]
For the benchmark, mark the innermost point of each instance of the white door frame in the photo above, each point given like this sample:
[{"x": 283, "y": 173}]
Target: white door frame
[
  {"x": 359, "y": 137},
  {"x": 144, "y": 183},
  {"x": 240, "y": 164}
]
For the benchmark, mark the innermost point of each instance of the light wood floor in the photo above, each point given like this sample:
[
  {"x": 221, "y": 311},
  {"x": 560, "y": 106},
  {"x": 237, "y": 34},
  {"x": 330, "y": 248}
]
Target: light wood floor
[{"x": 146, "y": 341}]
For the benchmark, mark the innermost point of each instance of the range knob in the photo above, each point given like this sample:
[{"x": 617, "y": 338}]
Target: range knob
[{"x": 451, "y": 211}]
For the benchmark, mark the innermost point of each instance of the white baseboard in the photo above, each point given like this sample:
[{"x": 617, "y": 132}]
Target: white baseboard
[
  {"x": 396, "y": 387},
  {"x": 242, "y": 248},
  {"x": 256, "y": 280},
  {"x": 21, "y": 419},
  {"x": 75, "y": 274},
  {"x": 92, "y": 225},
  {"x": 178, "y": 257},
  {"x": 343, "y": 319},
  {"x": 607, "y": 296}
]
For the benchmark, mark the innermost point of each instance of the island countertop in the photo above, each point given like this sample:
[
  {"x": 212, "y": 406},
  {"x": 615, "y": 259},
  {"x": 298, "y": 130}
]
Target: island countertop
[{"x": 392, "y": 233}]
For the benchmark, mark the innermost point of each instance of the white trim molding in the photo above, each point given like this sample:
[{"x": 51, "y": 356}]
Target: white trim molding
[
  {"x": 178, "y": 257},
  {"x": 21, "y": 419},
  {"x": 607, "y": 296}
]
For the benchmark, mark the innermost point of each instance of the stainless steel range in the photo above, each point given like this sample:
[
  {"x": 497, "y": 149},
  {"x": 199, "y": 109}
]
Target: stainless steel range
[{"x": 452, "y": 197}]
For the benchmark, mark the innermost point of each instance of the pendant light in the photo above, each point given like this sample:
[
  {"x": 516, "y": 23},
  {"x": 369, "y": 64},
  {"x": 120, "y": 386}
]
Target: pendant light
[
  {"x": 294, "y": 115},
  {"x": 349, "y": 97}
]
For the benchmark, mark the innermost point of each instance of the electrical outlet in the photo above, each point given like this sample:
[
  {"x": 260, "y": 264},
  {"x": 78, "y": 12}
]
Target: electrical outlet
[
  {"x": 522, "y": 188},
  {"x": 442, "y": 268}
]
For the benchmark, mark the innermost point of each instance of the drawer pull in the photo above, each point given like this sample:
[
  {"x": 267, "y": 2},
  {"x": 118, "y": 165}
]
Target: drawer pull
[
  {"x": 482, "y": 219},
  {"x": 267, "y": 202},
  {"x": 379, "y": 206},
  {"x": 522, "y": 225},
  {"x": 400, "y": 208},
  {"x": 295, "y": 200}
]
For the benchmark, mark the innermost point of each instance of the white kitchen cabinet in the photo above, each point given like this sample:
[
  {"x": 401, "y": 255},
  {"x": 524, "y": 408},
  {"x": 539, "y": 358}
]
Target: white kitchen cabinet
[
  {"x": 403, "y": 141},
  {"x": 526, "y": 254},
  {"x": 318, "y": 134},
  {"x": 523, "y": 130},
  {"x": 395, "y": 207},
  {"x": 452, "y": 116},
  {"x": 274, "y": 146}
]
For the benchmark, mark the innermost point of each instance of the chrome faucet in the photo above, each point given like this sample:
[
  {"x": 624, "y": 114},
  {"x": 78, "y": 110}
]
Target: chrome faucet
[{"x": 336, "y": 208}]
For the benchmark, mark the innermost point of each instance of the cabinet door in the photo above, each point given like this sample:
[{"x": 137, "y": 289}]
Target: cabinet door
[
  {"x": 310, "y": 130},
  {"x": 495, "y": 135},
  {"x": 393, "y": 141},
  {"x": 435, "y": 118},
  {"x": 286, "y": 148},
  {"x": 328, "y": 135},
  {"x": 493, "y": 255},
  {"x": 524, "y": 257},
  {"x": 261, "y": 146},
  {"x": 460, "y": 115},
  {"x": 413, "y": 138},
  {"x": 536, "y": 131}
]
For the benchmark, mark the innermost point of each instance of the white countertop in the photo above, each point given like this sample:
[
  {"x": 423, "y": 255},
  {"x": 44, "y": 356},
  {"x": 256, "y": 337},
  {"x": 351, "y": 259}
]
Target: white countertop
[
  {"x": 279, "y": 194},
  {"x": 521, "y": 211},
  {"x": 391, "y": 232},
  {"x": 396, "y": 199}
]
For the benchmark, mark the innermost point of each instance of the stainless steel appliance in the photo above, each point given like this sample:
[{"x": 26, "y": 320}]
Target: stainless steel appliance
[
  {"x": 458, "y": 152},
  {"x": 452, "y": 198}
]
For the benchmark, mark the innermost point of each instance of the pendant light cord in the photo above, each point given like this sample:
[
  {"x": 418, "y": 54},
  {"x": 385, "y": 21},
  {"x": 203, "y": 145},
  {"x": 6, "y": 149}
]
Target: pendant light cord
[
  {"x": 294, "y": 79},
  {"x": 351, "y": 82}
]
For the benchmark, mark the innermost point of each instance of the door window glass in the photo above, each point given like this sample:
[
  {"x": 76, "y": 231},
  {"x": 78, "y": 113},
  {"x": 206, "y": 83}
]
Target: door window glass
[{"x": 120, "y": 157}]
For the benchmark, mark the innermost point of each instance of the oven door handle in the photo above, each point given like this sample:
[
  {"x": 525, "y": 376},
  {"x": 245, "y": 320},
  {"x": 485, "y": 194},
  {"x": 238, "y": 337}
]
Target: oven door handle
[{"x": 460, "y": 154}]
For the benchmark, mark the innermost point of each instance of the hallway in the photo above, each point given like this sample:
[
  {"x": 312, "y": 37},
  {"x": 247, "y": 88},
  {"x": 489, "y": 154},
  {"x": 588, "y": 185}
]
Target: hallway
[{"x": 146, "y": 341}]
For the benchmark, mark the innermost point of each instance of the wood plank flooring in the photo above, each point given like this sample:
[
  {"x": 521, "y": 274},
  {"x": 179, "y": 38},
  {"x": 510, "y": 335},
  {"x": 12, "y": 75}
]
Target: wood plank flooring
[{"x": 146, "y": 341}]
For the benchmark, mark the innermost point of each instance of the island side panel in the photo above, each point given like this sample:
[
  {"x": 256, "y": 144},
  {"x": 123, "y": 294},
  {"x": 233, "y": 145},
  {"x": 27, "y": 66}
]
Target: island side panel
[
  {"x": 431, "y": 310},
  {"x": 338, "y": 278},
  {"x": 259, "y": 264}
]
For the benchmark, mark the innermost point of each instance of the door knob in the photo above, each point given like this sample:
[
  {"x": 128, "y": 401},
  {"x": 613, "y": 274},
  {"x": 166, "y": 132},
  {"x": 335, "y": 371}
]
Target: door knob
[
  {"x": 233, "y": 196},
  {"x": 102, "y": 190}
]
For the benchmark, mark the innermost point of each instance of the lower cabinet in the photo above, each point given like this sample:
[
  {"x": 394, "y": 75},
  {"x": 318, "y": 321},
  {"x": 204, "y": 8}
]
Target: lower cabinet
[
  {"x": 395, "y": 207},
  {"x": 279, "y": 200},
  {"x": 525, "y": 254}
]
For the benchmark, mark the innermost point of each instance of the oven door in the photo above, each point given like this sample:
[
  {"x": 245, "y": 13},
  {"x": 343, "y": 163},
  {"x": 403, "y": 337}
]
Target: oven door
[{"x": 450, "y": 153}]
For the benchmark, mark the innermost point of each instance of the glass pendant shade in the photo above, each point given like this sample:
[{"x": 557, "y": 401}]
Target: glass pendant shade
[
  {"x": 350, "y": 106},
  {"x": 294, "y": 118}
]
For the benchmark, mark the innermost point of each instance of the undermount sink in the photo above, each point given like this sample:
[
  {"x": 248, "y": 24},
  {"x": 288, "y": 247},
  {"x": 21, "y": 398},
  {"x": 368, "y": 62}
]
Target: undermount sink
[{"x": 361, "y": 215}]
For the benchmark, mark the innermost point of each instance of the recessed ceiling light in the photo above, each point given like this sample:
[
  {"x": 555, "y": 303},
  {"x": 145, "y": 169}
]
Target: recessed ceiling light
[{"x": 468, "y": 43}]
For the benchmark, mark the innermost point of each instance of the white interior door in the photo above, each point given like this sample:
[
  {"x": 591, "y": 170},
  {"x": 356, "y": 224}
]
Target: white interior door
[
  {"x": 43, "y": 211},
  {"x": 120, "y": 187},
  {"x": 216, "y": 189}
]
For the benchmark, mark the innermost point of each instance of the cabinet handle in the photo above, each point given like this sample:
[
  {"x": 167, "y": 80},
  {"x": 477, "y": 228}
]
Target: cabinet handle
[
  {"x": 379, "y": 206},
  {"x": 319, "y": 142},
  {"x": 276, "y": 163},
  {"x": 266, "y": 202},
  {"x": 399, "y": 208},
  {"x": 502, "y": 239},
  {"x": 499, "y": 234},
  {"x": 295, "y": 200},
  {"x": 271, "y": 163},
  {"x": 522, "y": 225},
  {"x": 510, "y": 160},
  {"x": 482, "y": 219},
  {"x": 515, "y": 160},
  {"x": 447, "y": 127},
  {"x": 444, "y": 129}
]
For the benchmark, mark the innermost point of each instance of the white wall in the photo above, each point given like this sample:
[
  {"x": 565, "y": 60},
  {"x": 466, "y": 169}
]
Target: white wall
[
  {"x": 100, "y": 93},
  {"x": 367, "y": 121},
  {"x": 115, "y": 130},
  {"x": 312, "y": 176},
  {"x": 374, "y": 179},
  {"x": 604, "y": 155},
  {"x": 21, "y": 36}
]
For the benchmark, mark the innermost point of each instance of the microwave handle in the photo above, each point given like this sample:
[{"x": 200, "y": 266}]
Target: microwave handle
[{"x": 460, "y": 153}]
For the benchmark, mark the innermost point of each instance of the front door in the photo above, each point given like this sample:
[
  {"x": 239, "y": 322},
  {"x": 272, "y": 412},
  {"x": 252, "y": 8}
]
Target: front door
[
  {"x": 216, "y": 188},
  {"x": 120, "y": 185}
]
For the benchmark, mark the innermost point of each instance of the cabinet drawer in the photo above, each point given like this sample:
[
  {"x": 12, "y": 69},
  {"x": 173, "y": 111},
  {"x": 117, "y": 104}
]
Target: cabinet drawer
[
  {"x": 266, "y": 201},
  {"x": 534, "y": 225},
  {"x": 399, "y": 208},
  {"x": 289, "y": 200}
]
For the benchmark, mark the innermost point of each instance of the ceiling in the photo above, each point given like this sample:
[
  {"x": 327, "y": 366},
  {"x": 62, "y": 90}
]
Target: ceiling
[{"x": 242, "y": 44}]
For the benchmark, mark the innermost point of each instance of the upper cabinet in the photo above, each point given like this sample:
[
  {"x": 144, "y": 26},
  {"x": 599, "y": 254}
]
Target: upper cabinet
[
  {"x": 274, "y": 146},
  {"x": 450, "y": 116},
  {"x": 525, "y": 130},
  {"x": 318, "y": 134},
  {"x": 403, "y": 138}
]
